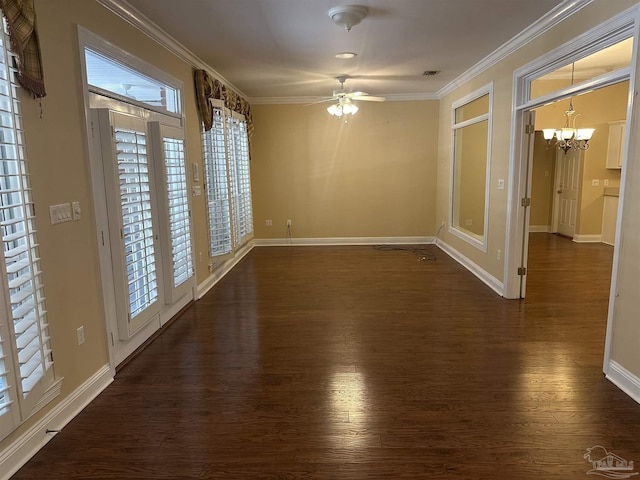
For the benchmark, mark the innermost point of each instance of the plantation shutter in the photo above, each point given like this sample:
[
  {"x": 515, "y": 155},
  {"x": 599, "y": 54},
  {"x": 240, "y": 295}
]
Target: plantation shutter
[
  {"x": 217, "y": 186},
  {"x": 26, "y": 369},
  {"x": 175, "y": 214},
  {"x": 245, "y": 219},
  {"x": 128, "y": 182}
]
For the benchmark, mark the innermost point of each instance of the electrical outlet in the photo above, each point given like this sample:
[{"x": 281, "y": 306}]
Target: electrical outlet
[
  {"x": 499, "y": 255},
  {"x": 606, "y": 182},
  {"x": 268, "y": 223},
  {"x": 501, "y": 184},
  {"x": 595, "y": 182},
  {"x": 80, "y": 334},
  {"x": 468, "y": 222},
  {"x": 288, "y": 223},
  {"x": 443, "y": 224}
]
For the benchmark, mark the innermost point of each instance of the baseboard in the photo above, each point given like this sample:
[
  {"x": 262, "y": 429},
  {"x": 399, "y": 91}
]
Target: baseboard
[
  {"x": 225, "y": 268},
  {"x": 624, "y": 380},
  {"x": 492, "y": 282},
  {"x": 539, "y": 228},
  {"x": 587, "y": 238},
  {"x": 14, "y": 456},
  {"x": 346, "y": 241}
]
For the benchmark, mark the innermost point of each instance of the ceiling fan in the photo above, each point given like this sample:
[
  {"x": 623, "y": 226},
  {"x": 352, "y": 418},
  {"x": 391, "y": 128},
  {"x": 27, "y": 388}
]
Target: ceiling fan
[{"x": 344, "y": 100}]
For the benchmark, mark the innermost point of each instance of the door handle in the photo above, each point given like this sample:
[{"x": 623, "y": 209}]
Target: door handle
[{"x": 559, "y": 191}]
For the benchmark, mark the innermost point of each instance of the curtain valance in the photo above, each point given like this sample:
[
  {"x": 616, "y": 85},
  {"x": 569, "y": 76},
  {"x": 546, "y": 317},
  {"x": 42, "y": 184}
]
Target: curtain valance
[
  {"x": 21, "y": 19},
  {"x": 211, "y": 88}
]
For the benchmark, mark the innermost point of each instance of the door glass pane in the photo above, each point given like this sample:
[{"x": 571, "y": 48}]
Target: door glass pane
[{"x": 137, "y": 234}]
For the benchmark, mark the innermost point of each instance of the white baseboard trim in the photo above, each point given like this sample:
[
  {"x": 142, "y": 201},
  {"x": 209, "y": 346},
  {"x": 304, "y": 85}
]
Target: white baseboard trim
[
  {"x": 539, "y": 228},
  {"x": 587, "y": 238},
  {"x": 338, "y": 241},
  {"x": 223, "y": 269},
  {"x": 492, "y": 282},
  {"x": 624, "y": 380},
  {"x": 14, "y": 456}
]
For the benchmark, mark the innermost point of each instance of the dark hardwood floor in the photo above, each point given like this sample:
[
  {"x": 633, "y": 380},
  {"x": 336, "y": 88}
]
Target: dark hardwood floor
[{"x": 356, "y": 363}]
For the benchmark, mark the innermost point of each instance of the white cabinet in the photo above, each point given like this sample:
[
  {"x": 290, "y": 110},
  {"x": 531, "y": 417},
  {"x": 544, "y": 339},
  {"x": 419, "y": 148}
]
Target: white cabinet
[{"x": 615, "y": 147}]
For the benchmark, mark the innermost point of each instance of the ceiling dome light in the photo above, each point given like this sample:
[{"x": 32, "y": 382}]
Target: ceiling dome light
[
  {"x": 346, "y": 55},
  {"x": 348, "y": 16}
]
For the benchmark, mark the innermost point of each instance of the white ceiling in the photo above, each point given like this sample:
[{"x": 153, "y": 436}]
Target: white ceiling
[{"x": 280, "y": 49}]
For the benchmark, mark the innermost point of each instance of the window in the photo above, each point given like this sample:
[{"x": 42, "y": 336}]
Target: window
[
  {"x": 471, "y": 132},
  {"x": 217, "y": 185},
  {"x": 26, "y": 360},
  {"x": 240, "y": 178},
  {"x": 112, "y": 78},
  {"x": 228, "y": 182}
]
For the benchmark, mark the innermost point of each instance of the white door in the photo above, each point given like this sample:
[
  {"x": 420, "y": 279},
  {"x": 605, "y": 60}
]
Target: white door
[
  {"x": 132, "y": 212},
  {"x": 568, "y": 179}
]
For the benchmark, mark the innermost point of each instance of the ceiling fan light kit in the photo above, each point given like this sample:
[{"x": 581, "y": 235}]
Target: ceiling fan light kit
[
  {"x": 348, "y": 16},
  {"x": 344, "y": 100}
]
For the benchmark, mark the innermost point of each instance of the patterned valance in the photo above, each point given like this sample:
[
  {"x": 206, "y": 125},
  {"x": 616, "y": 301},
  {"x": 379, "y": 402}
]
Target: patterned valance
[
  {"x": 210, "y": 88},
  {"x": 21, "y": 19}
]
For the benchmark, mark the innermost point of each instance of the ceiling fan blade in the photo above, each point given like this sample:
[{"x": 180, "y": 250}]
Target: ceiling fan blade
[
  {"x": 322, "y": 100},
  {"x": 367, "y": 98}
]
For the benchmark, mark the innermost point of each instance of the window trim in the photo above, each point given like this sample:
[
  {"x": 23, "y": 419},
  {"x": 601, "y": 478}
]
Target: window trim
[
  {"x": 90, "y": 40},
  {"x": 479, "y": 242}
]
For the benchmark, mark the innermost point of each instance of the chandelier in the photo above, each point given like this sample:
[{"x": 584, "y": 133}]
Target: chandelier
[
  {"x": 569, "y": 136},
  {"x": 343, "y": 107}
]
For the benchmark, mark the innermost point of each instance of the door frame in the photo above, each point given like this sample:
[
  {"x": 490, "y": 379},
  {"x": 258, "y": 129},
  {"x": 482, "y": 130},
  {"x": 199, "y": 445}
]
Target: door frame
[
  {"x": 616, "y": 29},
  {"x": 119, "y": 350}
]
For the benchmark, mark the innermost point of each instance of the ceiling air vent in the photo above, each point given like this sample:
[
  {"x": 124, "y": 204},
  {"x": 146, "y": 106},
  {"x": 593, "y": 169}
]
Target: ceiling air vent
[{"x": 430, "y": 73}]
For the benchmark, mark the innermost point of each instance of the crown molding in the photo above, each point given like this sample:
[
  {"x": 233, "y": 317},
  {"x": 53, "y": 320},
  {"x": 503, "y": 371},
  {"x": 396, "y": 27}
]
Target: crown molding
[
  {"x": 545, "y": 23},
  {"x": 134, "y": 17}
]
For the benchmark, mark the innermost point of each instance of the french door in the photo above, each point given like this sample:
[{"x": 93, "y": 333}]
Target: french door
[{"x": 146, "y": 255}]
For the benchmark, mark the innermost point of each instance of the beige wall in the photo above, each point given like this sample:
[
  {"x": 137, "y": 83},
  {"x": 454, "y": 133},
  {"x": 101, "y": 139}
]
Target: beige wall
[{"x": 371, "y": 177}]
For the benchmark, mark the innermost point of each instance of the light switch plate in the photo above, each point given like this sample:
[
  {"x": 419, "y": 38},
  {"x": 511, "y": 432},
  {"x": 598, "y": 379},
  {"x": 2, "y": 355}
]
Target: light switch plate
[
  {"x": 60, "y": 213},
  {"x": 501, "y": 184}
]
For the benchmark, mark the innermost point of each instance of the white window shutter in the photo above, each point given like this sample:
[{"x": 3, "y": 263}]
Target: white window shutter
[
  {"x": 174, "y": 210},
  {"x": 217, "y": 187}
]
